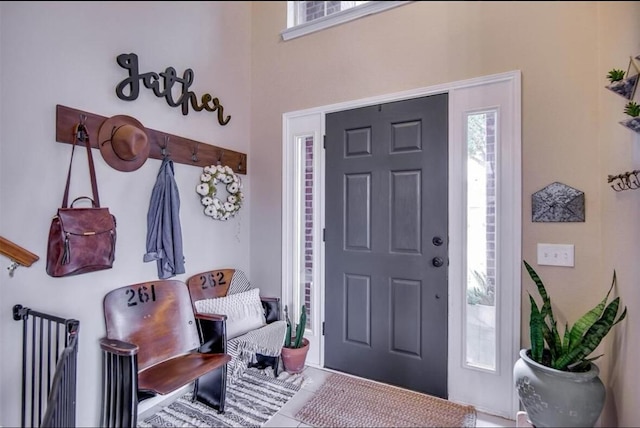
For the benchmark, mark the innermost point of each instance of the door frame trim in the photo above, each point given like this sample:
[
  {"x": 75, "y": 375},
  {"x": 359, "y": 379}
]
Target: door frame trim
[
  {"x": 317, "y": 114},
  {"x": 504, "y": 94}
]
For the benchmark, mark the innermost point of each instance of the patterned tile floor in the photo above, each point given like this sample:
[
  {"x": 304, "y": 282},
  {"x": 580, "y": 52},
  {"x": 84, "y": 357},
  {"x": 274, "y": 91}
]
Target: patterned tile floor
[{"x": 285, "y": 417}]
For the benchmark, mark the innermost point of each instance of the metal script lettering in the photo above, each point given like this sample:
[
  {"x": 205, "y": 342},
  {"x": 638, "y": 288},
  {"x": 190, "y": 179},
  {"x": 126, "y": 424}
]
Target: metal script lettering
[{"x": 161, "y": 84}]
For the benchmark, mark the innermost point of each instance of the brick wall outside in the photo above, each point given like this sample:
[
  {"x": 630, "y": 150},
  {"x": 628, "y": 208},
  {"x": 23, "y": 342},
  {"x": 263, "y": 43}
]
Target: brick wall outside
[
  {"x": 317, "y": 9},
  {"x": 308, "y": 225},
  {"x": 491, "y": 197}
]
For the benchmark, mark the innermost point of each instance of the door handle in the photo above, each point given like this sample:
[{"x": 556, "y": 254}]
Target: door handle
[{"x": 437, "y": 261}]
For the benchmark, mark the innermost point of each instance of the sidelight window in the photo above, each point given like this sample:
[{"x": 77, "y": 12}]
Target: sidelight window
[
  {"x": 305, "y": 221},
  {"x": 302, "y": 225},
  {"x": 481, "y": 240}
]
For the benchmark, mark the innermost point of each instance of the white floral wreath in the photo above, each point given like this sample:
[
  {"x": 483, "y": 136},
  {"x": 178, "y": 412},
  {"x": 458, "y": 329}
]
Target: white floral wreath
[{"x": 213, "y": 206}]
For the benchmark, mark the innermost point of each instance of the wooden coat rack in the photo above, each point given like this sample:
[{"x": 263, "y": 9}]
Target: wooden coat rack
[{"x": 179, "y": 149}]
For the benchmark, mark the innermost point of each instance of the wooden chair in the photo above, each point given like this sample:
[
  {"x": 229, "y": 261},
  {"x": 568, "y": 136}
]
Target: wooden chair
[
  {"x": 152, "y": 347},
  {"x": 213, "y": 327}
]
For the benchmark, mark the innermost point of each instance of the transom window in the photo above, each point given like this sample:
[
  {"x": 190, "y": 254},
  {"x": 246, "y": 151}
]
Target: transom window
[
  {"x": 307, "y": 11},
  {"x": 304, "y": 17}
]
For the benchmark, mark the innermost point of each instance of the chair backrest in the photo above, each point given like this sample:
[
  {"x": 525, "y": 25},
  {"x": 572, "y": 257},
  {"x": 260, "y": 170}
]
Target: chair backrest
[
  {"x": 210, "y": 284},
  {"x": 156, "y": 315}
]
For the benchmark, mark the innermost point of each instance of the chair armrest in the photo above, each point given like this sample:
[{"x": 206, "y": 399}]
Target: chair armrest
[
  {"x": 271, "y": 306},
  {"x": 211, "y": 317},
  {"x": 118, "y": 347},
  {"x": 213, "y": 333}
]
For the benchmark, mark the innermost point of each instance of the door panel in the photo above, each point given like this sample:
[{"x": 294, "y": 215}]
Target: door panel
[
  {"x": 386, "y": 199},
  {"x": 357, "y": 188}
]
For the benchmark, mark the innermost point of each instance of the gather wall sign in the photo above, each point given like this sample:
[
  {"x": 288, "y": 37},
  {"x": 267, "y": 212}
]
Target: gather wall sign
[{"x": 162, "y": 84}]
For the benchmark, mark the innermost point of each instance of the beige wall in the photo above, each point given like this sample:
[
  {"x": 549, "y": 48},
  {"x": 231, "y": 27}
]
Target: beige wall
[
  {"x": 619, "y": 151},
  {"x": 569, "y": 126}
]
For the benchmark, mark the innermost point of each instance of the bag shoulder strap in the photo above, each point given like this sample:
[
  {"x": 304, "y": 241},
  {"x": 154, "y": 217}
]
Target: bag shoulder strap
[{"x": 80, "y": 133}]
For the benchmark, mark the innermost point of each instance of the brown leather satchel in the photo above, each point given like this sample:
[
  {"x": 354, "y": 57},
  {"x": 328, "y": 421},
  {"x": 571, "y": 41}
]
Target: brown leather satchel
[{"x": 81, "y": 240}]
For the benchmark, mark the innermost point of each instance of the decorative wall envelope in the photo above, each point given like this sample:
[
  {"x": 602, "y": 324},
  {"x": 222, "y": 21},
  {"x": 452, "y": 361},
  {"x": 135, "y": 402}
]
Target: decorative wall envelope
[{"x": 557, "y": 203}]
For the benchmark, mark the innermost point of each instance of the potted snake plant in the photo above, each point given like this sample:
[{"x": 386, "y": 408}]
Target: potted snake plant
[
  {"x": 556, "y": 379},
  {"x": 296, "y": 346}
]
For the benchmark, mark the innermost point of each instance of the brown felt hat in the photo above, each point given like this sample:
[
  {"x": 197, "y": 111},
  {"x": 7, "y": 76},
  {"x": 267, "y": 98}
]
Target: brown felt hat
[{"x": 123, "y": 143}]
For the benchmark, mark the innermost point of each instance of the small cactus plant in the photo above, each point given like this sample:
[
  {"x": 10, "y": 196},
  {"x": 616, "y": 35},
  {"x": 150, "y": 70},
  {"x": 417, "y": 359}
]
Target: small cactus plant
[
  {"x": 615, "y": 75},
  {"x": 295, "y": 341},
  {"x": 632, "y": 109}
]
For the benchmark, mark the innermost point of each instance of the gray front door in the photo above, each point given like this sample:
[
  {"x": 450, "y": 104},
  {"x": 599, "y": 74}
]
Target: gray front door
[{"x": 386, "y": 243}]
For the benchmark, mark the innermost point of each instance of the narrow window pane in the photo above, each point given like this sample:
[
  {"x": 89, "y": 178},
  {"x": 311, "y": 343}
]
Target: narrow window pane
[
  {"x": 481, "y": 241},
  {"x": 305, "y": 221}
]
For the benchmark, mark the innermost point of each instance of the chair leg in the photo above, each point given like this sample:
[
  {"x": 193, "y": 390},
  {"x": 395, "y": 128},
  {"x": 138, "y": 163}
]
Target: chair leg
[
  {"x": 276, "y": 367},
  {"x": 263, "y": 362},
  {"x": 211, "y": 388}
]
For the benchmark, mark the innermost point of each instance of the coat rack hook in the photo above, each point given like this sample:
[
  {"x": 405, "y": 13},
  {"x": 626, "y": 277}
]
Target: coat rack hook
[
  {"x": 241, "y": 163},
  {"x": 163, "y": 147},
  {"x": 220, "y": 154},
  {"x": 83, "y": 118},
  {"x": 194, "y": 153}
]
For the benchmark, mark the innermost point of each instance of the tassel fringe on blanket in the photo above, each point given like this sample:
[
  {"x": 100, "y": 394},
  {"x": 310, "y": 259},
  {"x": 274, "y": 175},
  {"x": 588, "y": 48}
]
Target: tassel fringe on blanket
[{"x": 267, "y": 341}]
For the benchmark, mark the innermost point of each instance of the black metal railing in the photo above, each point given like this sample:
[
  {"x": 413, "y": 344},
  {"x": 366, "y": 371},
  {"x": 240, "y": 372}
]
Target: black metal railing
[{"x": 49, "y": 357}]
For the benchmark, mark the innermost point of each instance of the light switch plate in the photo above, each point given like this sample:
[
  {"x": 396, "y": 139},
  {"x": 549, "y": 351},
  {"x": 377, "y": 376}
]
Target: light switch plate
[{"x": 556, "y": 254}]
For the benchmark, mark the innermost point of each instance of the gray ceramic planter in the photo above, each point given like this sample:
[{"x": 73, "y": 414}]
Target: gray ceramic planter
[{"x": 555, "y": 398}]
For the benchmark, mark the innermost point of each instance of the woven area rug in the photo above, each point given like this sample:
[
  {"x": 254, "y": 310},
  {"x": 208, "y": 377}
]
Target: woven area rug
[
  {"x": 250, "y": 402},
  {"x": 344, "y": 401}
]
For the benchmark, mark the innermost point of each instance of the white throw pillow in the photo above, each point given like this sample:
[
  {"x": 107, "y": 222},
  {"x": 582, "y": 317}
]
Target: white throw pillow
[{"x": 243, "y": 310}]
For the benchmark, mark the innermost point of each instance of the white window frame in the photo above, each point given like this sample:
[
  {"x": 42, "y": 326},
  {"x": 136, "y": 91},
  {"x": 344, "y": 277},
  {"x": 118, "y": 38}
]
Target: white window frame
[
  {"x": 501, "y": 94},
  {"x": 295, "y": 126},
  {"x": 334, "y": 19}
]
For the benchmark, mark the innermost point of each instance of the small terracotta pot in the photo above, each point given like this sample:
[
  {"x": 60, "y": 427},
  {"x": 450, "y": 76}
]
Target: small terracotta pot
[{"x": 293, "y": 358}]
